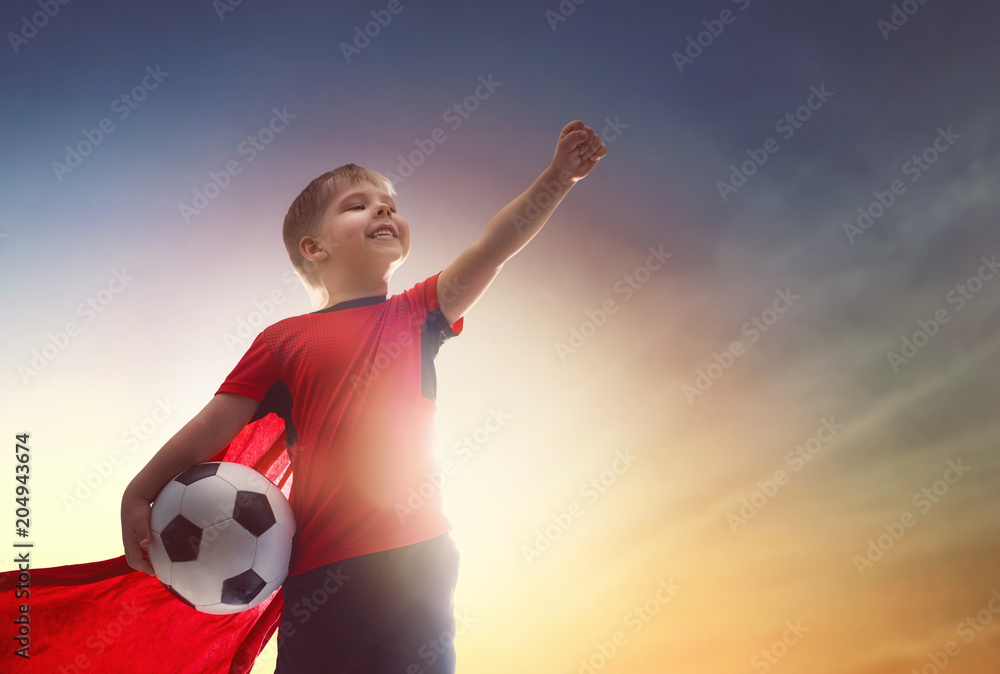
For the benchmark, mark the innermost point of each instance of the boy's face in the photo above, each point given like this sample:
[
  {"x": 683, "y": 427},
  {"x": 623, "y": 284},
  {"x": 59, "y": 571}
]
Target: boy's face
[{"x": 362, "y": 230}]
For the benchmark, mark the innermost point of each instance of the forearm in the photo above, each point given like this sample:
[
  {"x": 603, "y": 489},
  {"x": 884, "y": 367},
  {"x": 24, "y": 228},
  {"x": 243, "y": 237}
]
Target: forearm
[
  {"x": 192, "y": 444},
  {"x": 463, "y": 282},
  {"x": 518, "y": 222}
]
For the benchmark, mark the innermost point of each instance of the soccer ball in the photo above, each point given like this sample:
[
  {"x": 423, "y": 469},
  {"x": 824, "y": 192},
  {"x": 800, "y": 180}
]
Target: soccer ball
[{"x": 221, "y": 537}]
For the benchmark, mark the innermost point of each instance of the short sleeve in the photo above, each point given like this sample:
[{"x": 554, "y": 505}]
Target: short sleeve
[
  {"x": 254, "y": 374},
  {"x": 434, "y": 330},
  {"x": 423, "y": 298}
]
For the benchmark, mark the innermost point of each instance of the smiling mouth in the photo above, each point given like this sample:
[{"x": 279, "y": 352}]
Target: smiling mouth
[{"x": 383, "y": 232}]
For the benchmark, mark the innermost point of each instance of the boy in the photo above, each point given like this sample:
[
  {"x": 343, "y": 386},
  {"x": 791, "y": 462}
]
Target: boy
[{"x": 372, "y": 578}]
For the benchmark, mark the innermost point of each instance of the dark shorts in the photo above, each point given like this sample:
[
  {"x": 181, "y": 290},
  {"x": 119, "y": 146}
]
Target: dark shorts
[{"x": 389, "y": 612}]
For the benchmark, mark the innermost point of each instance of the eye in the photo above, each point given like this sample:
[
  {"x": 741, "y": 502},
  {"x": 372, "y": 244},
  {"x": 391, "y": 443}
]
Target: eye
[{"x": 356, "y": 206}]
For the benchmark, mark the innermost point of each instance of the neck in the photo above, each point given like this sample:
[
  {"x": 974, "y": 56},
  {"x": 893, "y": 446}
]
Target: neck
[{"x": 335, "y": 288}]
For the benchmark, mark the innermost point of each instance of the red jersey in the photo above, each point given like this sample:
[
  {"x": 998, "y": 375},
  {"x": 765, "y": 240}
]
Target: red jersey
[{"x": 355, "y": 383}]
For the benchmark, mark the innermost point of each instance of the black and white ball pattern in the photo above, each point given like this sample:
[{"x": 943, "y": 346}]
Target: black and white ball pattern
[{"x": 221, "y": 537}]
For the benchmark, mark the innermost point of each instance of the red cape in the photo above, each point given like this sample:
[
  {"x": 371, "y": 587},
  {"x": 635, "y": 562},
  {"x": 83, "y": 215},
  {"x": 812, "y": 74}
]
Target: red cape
[{"x": 105, "y": 617}]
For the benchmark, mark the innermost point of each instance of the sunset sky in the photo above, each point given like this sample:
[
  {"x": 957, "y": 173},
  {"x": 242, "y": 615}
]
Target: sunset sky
[{"x": 745, "y": 373}]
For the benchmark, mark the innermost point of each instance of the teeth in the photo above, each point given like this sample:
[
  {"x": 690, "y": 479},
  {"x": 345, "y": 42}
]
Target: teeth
[{"x": 384, "y": 234}]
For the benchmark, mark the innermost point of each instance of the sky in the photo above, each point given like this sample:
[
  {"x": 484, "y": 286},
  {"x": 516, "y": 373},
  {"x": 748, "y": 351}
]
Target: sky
[{"x": 745, "y": 373}]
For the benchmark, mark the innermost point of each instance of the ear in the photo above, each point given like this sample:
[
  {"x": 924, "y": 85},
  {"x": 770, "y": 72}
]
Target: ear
[{"x": 311, "y": 249}]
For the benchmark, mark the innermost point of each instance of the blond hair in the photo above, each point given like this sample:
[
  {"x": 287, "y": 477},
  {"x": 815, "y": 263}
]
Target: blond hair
[{"x": 306, "y": 212}]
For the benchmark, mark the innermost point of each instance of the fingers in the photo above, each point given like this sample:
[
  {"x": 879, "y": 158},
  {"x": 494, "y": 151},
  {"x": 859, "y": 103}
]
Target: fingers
[
  {"x": 142, "y": 535},
  {"x": 581, "y": 147},
  {"x": 137, "y": 558},
  {"x": 569, "y": 142},
  {"x": 575, "y": 125},
  {"x": 596, "y": 154},
  {"x": 136, "y": 538},
  {"x": 593, "y": 148},
  {"x": 145, "y": 567}
]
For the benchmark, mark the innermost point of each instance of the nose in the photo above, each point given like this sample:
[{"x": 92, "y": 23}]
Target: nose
[{"x": 381, "y": 209}]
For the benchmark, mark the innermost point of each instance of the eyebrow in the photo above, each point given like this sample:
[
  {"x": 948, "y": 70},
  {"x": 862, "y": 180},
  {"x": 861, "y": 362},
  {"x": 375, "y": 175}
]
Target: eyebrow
[{"x": 357, "y": 194}]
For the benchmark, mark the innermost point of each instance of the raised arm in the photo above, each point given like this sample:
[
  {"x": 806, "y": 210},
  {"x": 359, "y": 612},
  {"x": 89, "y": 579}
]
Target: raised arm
[{"x": 465, "y": 280}]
